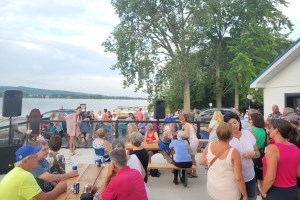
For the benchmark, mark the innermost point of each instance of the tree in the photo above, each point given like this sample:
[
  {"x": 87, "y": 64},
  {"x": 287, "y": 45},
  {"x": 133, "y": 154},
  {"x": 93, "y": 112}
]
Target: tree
[
  {"x": 231, "y": 19},
  {"x": 253, "y": 50},
  {"x": 154, "y": 42}
]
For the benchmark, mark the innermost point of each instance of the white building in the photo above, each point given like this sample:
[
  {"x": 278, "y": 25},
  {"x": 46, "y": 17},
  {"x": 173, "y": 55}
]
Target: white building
[{"x": 280, "y": 81}]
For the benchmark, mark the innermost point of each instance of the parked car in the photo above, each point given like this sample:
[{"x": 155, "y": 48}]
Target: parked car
[{"x": 207, "y": 114}]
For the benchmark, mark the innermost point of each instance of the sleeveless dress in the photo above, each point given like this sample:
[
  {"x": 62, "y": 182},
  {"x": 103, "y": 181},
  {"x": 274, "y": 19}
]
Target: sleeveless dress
[
  {"x": 193, "y": 140},
  {"x": 220, "y": 178},
  {"x": 73, "y": 124}
]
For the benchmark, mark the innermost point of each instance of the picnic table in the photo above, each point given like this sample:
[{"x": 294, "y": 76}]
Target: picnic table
[
  {"x": 88, "y": 174},
  {"x": 203, "y": 141},
  {"x": 148, "y": 147}
]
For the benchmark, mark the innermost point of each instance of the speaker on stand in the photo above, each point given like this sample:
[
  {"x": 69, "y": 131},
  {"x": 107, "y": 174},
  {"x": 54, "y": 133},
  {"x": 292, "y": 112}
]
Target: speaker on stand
[
  {"x": 12, "y": 107},
  {"x": 159, "y": 109}
]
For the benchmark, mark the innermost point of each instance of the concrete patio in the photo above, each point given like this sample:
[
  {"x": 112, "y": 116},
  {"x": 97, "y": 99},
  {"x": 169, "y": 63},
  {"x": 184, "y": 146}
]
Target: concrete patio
[{"x": 162, "y": 187}]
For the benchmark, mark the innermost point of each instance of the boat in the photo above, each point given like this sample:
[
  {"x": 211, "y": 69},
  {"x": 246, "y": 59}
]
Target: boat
[{"x": 124, "y": 111}]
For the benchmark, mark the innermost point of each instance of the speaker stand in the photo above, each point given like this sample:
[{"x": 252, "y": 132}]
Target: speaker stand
[{"x": 10, "y": 138}]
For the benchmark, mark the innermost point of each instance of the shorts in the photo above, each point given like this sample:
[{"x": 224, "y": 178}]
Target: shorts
[
  {"x": 251, "y": 188},
  {"x": 276, "y": 193}
]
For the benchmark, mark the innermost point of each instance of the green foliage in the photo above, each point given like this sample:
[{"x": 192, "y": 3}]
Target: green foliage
[
  {"x": 253, "y": 50},
  {"x": 214, "y": 44},
  {"x": 152, "y": 34}
]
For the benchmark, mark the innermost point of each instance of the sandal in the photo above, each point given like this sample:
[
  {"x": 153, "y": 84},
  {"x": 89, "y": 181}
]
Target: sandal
[{"x": 193, "y": 176}]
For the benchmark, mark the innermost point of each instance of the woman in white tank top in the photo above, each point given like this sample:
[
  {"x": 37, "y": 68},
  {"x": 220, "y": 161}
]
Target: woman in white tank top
[
  {"x": 224, "y": 176},
  {"x": 192, "y": 138}
]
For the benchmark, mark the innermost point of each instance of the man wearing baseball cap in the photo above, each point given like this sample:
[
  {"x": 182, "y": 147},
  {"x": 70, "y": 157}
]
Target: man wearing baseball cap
[
  {"x": 19, "y": 183},
  {"x": 41, "y": 173}
]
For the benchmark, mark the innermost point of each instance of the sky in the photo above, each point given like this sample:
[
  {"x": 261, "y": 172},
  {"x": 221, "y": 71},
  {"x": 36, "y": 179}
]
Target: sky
[{"x": 57, "y": 45}]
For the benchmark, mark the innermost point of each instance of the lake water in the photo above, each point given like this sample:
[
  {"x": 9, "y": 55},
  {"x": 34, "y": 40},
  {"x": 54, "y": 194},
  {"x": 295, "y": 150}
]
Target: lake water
[{"x": 45, "y": 105}]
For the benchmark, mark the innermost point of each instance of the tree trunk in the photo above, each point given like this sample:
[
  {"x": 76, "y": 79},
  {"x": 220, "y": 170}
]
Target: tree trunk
[
  {"x": 218, "y": 73},
  {"x": 236, "y": 96},
  {"x": 186, "y": 96},
  {"x": 218, "y": 85}
]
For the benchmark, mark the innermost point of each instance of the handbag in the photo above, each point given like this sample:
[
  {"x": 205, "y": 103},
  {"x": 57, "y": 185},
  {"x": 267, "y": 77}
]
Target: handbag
[{"x": 86, "y": 196}]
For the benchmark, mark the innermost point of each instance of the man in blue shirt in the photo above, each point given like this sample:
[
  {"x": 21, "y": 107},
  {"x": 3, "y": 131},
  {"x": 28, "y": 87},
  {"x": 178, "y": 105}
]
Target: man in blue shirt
[{"x": 46, "y": 180}]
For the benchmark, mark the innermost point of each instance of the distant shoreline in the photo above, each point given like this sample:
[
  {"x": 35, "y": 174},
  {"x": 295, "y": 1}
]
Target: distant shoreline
[
  {"x": 116, "y": 98},
  {"x": 62, "y": 94}
]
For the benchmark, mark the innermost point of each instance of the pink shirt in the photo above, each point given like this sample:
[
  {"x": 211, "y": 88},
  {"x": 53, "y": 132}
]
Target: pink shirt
[
  {"x": 126, "y": 184},
  {"x": 289, "y": 160},
  {"x": 139, "y": 115}
]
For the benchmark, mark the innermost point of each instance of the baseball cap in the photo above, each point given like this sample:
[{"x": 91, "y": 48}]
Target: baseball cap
[{"x": 25, "y": 151}]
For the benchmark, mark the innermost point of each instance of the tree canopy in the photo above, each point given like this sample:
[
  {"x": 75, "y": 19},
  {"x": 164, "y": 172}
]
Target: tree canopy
[{"x": 191, "y": 52}]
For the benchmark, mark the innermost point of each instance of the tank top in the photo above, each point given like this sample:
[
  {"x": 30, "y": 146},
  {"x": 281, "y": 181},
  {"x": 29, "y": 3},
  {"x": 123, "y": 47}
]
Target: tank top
[
  {"x": 99, "y": 145},
  {"x": 192, "y": 132},
  {"x": 150, "y": 138},
  {"x": 289, "y": 160},
  {"x": 220, "y": 178}
]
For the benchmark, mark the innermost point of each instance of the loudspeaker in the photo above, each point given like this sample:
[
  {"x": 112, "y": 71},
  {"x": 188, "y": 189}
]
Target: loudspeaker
[
  {"x": 12, "y": 103},
  {"x": 7, "y": 161},
  {"x": 159, "y": 109}
]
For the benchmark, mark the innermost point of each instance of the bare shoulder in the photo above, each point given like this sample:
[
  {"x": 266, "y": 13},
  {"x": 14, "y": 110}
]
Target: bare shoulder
[
  {"x": 271, "y": 149},
  {"x": 235, "y": 153}
]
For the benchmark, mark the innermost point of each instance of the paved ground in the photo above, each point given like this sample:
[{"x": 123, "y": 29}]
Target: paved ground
[{"x": 162, "y": 187}]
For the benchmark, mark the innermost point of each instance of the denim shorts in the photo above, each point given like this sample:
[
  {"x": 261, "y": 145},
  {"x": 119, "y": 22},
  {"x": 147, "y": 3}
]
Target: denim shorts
[{"x": 251, "y": 188}]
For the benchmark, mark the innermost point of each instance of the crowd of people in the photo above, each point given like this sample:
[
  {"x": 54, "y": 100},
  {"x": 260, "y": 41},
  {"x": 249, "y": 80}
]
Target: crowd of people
[
  {"x": 269, "y": 158},
  {"x": 261, "y": 159}
]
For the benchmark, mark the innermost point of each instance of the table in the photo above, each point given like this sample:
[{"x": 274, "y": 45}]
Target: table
[
  {"x": 203, "y": 141},
  {"x": 88, "y": 174},
  {"x": 148, "y": 147}
]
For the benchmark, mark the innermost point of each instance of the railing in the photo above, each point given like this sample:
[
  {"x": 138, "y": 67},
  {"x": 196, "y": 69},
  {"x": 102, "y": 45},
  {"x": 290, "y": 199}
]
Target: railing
[
  {"x": 114, "y": 129},
  {"x": 7, "y": 132}
]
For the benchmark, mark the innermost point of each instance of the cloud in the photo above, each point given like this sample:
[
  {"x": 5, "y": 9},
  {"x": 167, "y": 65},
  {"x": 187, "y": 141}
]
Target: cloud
[{"x": 57, "y": 45}]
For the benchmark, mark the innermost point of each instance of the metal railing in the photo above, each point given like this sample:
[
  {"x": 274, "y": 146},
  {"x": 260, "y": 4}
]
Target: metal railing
[{"x": 114, "y": 129}]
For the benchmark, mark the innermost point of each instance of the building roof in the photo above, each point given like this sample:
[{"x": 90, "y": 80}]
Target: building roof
[{"x": 283, "y": 60}]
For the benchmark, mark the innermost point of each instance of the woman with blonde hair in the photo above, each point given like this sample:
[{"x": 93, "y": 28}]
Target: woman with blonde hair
[
  {"x": 101, "y": 143},
  {"x": 213, "y": 125},
  {"x": 224, "y": 176},
  {"x": 130, "y": 129}
]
